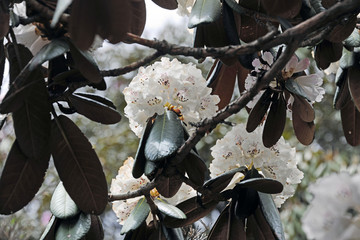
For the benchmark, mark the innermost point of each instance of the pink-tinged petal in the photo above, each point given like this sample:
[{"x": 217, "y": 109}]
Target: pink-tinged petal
[
  {"x": 302, "y": 65},
  {"x": 256, "y": 63},
  {"x": 291, "y": 65},
  {"x": 268, "y": 57}
]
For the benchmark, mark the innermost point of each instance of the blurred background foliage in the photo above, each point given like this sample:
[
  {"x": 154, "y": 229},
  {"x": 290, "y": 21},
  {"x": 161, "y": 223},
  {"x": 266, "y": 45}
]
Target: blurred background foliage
[{"x": 114, "y": 143}]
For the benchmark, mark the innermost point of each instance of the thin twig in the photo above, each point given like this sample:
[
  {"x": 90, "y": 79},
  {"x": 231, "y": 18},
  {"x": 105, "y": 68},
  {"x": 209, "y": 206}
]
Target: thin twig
[{"x": 139, "y": 192}]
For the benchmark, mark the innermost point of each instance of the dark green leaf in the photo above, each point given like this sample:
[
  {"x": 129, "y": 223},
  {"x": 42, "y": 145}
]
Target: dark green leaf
[
  {"x": 168, "y": 4},
  {"x": 195, "y": 168},
  {"x": 341, "y": 31},
  {"x": 169, "y": 209},
  {"x": 342, "y": 94},
  {"x": 96, "y": 231},
  {"x": 61, "y": 6},
  {"x": 168, "y": 186},
  {"x": 138, "y": 16},
  {"x": 271, "y": 215},
  {"x": 347, "y": 59},
  {"x": 137, "y": 216},
  {"x": 4, "y": 23},
  {"x": 218, "y": 183},
  {"x": 304, "y": 108},
  {"x": 21, "y": 178},
  {"x": 204, "y": 11},
  {"x": 74, "y": 228},
  {"x": 353, "y": 77},
  {"x": 246, "y": 202},
  {"x": 140, "y": 160},
  {"x": 150, "y": 169},
  {"x": 193, "y": 211},
  {"x": 350, "y": 119},
  {"x": 165, "y": 137},
  {"x": 61, "y": 204},
  {"x": 211, "y": 35},
  {"x": 138, "y": 234},
  {"x": 49, "y": 232},
  {"x": 265, "y": 185},
  {"x": 327, "y": 52},
  {"x": 304, "y": 131},
  {"x": 2, "y": 61},
  {"x": 172, "y": 233},
  {"x": 86, "y": 64},
  {"x": 51, "y": 50},
  {"x": 353, "y": 40},
  {"x": 275, "y": 122},
  {"x": 78, "y": 166},
  {"x": 258, "y": 112},
  {"x": 94, "y": 110},
  {"x": 97, "y": 98}
]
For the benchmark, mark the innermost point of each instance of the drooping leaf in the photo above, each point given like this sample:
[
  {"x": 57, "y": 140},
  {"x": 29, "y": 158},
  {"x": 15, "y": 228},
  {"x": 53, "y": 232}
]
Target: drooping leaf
[
  {"x": 165, "y": 137},
  {"x": 275, "y": 122},
  {"x": 4, "y": 23},
  {"x": 57, "y": 66},
  {"x": 282, "y": 8},
  {"x": 258, "y": 228},
  {"x": 350, "y": 119},
  {"x": 2, "y": 61},
  {"x": 227, "y": 227},
  {"x": 327, "y": 52},
  {"x": 61, "y": 204},
  {"x": 245, "y": 202},
  {"x": 61, "y": 7},
  {"x": 137, "y": 216},
  {"x": 265, "y": 185},
  {"x": 171, "y": 233},
  {"x": 74, "y": 228},
  {"x": 32, "y": 121},
  {"x": 49, "y": 232},
  {"x": 94, "y": 110},
  {"x": 195, "y": 168},
  {"x": 342, "y": 94},
  {"x": 204, "y": 11},
  {"x": 304, "y": 108},
  {"x": 168, "y": 186},
  {"x": 78, "y": 166},
  {"x": 138, "y": 16},
  {"x": 138, "y": 234},
  {"x": 96, "y": 231},
  {"x": 97, "y": 98},
  {"x": 353, "y": 40},
  {"x": 20, "y": 180},
  {"x": 222, "y": 82},
  {"x": 193, "y": 211},
  {"x": 140, "y": 160},
  {"x": 169, "y": 209},
  {"x": 51, "y": 50},
  {"x": 271, "y": 215},
  {"x": 347, "y": 59},
  {"x": 304, "y": 131},
  {"x": 85, "y": 63},
  {"x": 168, "y": 4},
  {"x": 341, "y": 31},
  {"x": 258, "y": 112},
  {"x": 353, "y": 77},
  {"x": 218, "y": 183},
  {"x": 150, "y": 169}
]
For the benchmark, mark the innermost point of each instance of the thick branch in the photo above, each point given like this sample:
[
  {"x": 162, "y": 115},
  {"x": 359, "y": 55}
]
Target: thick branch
[
  {"x": 144, "y": 190},
  {"x": 47, "y": 12}
]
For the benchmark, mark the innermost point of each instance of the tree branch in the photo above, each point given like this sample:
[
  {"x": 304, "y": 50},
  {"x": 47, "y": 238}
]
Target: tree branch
[
  {"x": 47, "y": 12},
  {"x": 144, "y": 190}
]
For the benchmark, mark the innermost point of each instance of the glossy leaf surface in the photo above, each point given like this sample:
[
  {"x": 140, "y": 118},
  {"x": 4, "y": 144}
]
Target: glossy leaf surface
[
  {"x": 169, "y": 209},
  {"x": 61, "y": 204},
  {"x": 204, "y": 11},
  {"x": 74, "y": 228},
  {"x": 137, "y": 216}
]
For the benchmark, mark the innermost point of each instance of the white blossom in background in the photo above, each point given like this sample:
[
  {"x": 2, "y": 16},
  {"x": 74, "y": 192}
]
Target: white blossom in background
[
  {"x": 168, "y": 82},
  {"x": 334, "y": 211},
  {"x": 310, "y": 84},
  {"x": 125, "y": 182},
  {"x": 240, "y": 148},
  {"x": 184, "y": 7}
]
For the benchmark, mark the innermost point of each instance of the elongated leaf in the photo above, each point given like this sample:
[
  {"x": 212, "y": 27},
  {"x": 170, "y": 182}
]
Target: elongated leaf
[
  {"x": 140, "y": 160},
  {"x": 258, "y": 112},
  {"x": 20, "y": 180},
  {"x": 61, "y": 204},
  {"x": 353, "y": 40},
  {"x": 353, "y": 77},
  {"x": 218, "y": 183},
  {"x": 165, "y": 137},
  {"x": 51, "y": 50},
  {"x": 193, "y": 211},
  {"x": 204, "y": 11},
  {"x": 94, "y": 110},
  {"x": 265, "y": 185},
  {"x": 96, "y": 231},
  {"x": 293, "y": 87},
  {"x": 137, "y": 216},
  {"x": 227, "y": 227},
  {"x": 2, "y": 61},
  {"x": 97, "y": 98},
  {"x": 245, "y": 202},
  {"x": 74, "y": 228},
  {"x": 195, "y": 168},
  {"x": 4, "y": 23},
  {"x": 275, "y": 122},
  {"x": 32, "y": 121},
  {"x": 61, "y": 6},
  {"x": 138, "y": 16},
  {"x": 169, "y": 209},
  {"x": 327, "y": 52},
  {"x": 282, "y": 8},
  {"x": 271, "y": 215},
  {"x": 168, "y": 186},
  {"x": 78, "y": 166},
  {"x": 304, "y": 108},
  {"x": 342, "y": 94},
  {"x": 211, "y": 35},
  {"x": 304, "y": 131},
  {"x": 341, "y": 31},
  {"x": 172, "y": 233},
  {"x": 49, "y": 232},
  {"x": 150, "y": 169},
  {"x": 347, "y": 59},
  {"x": 350, "y": 119},
  {"x": 168, "y": 4},
  {"x": 85, "y": 63},
  {"x": 140, "y": 233}
]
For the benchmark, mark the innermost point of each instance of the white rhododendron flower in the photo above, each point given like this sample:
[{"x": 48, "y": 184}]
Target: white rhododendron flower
[
  {"x": 185, "y": 6},
  {"x": 334, "y": 211},
  {"x": 168, "y": 83},
  {"x": 125, "y": 182},
  {"x": 240, "y": 148},
  {"x": 310, "y": 84}
]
